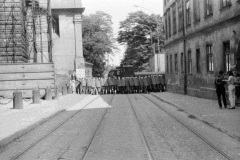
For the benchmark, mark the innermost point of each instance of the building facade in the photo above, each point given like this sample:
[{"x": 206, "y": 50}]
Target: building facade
[
  {"x": 202, "y": 38},
  {"x": 67, "y": 37},
  {"x": 157, "y": 63}
]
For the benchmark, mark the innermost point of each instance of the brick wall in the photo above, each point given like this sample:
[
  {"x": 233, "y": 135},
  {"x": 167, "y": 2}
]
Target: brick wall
[{"x": 13, "y": 45}]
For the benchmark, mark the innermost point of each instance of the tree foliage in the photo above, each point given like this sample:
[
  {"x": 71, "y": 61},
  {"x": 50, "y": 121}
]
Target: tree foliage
[
  {"x": 97, "y": 40},
  {"x": 140, "y": 33}
]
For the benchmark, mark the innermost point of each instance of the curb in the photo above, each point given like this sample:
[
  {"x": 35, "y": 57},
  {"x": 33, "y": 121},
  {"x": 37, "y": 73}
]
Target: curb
[{"x": 4, "y": 142}]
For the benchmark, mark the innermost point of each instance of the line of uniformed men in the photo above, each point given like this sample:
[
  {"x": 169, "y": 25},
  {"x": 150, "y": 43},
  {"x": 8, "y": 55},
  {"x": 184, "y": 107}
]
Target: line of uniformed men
[{"x": 120, "y": 85}]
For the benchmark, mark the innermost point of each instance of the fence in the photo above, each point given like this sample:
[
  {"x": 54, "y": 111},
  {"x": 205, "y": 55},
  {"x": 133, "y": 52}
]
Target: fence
[{"x": 26, "y": 77}]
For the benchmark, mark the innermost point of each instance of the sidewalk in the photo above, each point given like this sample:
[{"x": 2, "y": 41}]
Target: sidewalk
[
  {"x": 15, "y": 123},
  {"x": 207, "y": 111}
]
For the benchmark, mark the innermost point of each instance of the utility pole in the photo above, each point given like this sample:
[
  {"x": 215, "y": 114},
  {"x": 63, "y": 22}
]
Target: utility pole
[{"x": 184, "y": 51}]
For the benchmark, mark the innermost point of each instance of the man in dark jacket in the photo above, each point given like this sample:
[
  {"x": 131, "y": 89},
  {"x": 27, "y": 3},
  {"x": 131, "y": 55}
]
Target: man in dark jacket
[{"x": 220, "y": 89}]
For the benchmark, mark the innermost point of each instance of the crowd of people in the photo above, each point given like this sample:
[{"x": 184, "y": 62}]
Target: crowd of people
[
  {"x": 118, "y": 85},
  {"x": 233, "y": 82}
]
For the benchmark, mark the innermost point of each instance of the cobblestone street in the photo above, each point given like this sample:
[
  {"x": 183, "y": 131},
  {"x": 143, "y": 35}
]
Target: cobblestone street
[{"x": 125, "y": 126}]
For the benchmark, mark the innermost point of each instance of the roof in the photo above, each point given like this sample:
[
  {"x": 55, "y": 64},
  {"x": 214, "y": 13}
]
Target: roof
[
  {"x": 64, "y": 4},
  {"x": 148, "y": 73}
]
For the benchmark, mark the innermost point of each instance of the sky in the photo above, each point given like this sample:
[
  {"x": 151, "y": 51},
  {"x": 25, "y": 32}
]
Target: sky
[{"x": 119, "y": 9}]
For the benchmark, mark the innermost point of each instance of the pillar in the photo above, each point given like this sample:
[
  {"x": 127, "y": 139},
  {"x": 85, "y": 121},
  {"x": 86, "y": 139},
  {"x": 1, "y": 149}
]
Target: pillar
[{"x": 79, "y": 60}]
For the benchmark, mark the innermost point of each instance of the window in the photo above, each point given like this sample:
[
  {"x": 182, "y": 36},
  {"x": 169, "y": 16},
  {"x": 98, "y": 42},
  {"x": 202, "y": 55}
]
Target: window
[
  {"x": 188, "y": 17},
  {"x": 182, "y": 62},
  {"x": 196, "y": 10},
  {"x": 209, "y": 58},
  {"x": 55, "y": 23},
  {"x": 189, "y": 62},
  {"x": 169, "y": 25},
  {"x": 208, "y": 7},
  {"x": 174, "y": 20},
  {"x": 166, "y": 28},
  {"x": 176, "y": 63},
  {"x": 180, "y": 16},
  {"x": 171, "y": 68},
  {"x": 198, "y": 60},
  {"x": 225, "y": 3},
  {"x": 226, "y": 52},
  {"x": 167, "y": 65}
]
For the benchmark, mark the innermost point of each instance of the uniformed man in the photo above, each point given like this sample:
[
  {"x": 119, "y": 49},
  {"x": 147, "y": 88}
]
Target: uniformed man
[
  {"x": 141, "y": 84},
  {"x": 89, "y": 85},
  {"x": 136, "y": 85},
  {"x": 110, "y": 84},
  {"x": 114, "y": 85},
  {"x": 106, "y": 85},
  {"x": 131, "y": 82},
  {"x": 123, "y": 85},
  {"x": 157, "y": 83},
  {"x": 102, "y": 85},
  {"x": 162, "y": 81},
  {"x": 145, "y": 82},
  {"x": 149, "y": 84},
  {"x": 84, "y": 83},
  {"x": 94, "y": 89},
  {"x": 98, "y": 85},
  {"x": 119, "y": 85},
  {"x": 127, "y": 85},
  {"x": 153, "y": 83}
]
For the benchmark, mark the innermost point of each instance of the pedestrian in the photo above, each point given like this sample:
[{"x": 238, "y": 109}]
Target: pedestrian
[
  {"x": 237, "y": 87},
  {"x": 220, "y": 89},
  {"x": 231, "y": 90}
]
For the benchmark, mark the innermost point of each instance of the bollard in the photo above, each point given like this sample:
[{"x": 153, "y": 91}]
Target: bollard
[
  {"x": 64, "y": 90},
  {"x": 17, "y": 100},
  {"x": 36, "y": 96},
  {"x": 69, "y": 90},
  {"x": 48, "y": 94},
  {"x": 56, "y": 93}
]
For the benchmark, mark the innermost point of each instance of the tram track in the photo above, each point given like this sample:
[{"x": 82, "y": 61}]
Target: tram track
[
  {"x": 96, "y": 131},
  {"x": 205, "y": 140},
  {"x": 141, "y": 130},
  {"x": 51, "y": 131}
]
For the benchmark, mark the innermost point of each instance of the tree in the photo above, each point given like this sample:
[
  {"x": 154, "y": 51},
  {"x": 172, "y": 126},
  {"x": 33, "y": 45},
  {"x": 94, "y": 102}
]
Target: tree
[
  {"x": 140, "y": 33},
  {"x": 97, "y": 40}
]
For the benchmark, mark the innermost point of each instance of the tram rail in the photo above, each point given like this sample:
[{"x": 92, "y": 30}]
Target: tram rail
[
  {"x": 51, "y": 131},
  {"x": 190, "y": 128},
  {"x": 96, "y": 131}
]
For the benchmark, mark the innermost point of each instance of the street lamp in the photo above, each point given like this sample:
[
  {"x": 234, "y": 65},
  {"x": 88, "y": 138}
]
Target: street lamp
[{"x": 157, "y": 23}]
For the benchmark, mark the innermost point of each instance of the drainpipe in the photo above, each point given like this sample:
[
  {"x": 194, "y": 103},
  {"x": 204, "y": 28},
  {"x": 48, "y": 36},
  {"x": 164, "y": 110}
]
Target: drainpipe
[{"x": 184, "y": 51}]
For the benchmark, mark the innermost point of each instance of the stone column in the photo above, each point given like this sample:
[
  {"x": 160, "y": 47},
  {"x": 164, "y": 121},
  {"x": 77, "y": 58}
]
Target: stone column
[{"x": 79, "y": 60}]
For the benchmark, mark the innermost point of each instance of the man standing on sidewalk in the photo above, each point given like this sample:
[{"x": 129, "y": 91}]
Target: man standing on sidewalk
[{"x": 220, "y": 89}]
